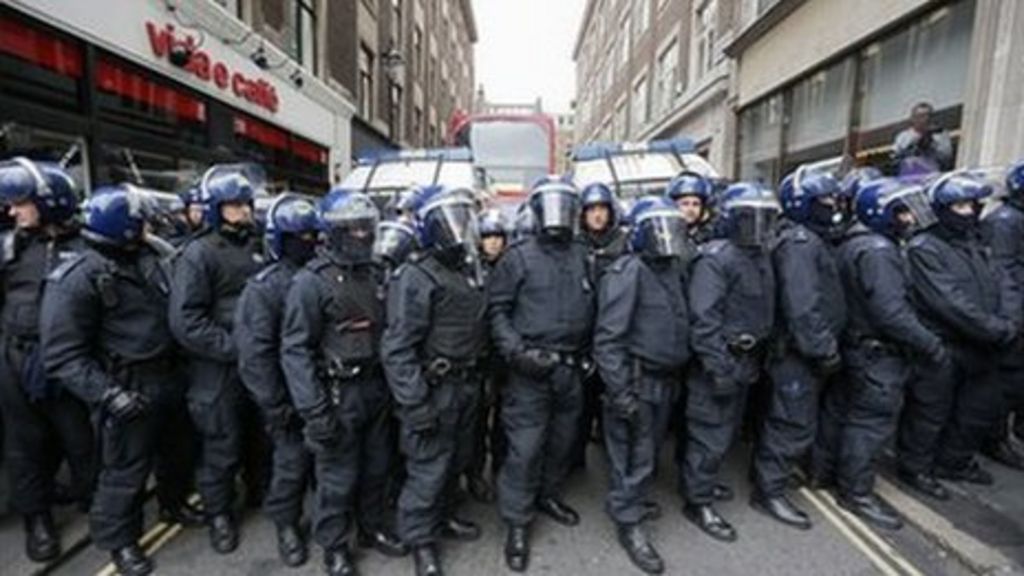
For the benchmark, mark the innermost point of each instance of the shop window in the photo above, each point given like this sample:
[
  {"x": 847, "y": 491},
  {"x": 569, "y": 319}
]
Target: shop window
[
  {"x": 144, "y": 168},
  {"x": 39, "y": 65},
  {"x": 820, "y": 107},
  {"x": 925, "y": 62},
  {"x": 760, "y": 135}
]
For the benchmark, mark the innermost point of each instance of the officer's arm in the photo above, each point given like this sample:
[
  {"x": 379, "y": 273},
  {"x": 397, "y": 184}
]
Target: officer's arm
[
  {"x": 707, "y": 293},
  {"x": 504, "y": 289},
  {"x": 880, "y": 275},
  {"x": 940, "y": 293},
  {"x": 69, "y": 325},
  {"x": 191, "y": 308},
  {"x": 615, "y": 307},
  {"x": 257, "y": 335},
  {"x": 409, "y": 304},
  {"x": 301, "y": 330},
  {"x": 801, "y": 296},
  {"x": 1005, "y": 239}
]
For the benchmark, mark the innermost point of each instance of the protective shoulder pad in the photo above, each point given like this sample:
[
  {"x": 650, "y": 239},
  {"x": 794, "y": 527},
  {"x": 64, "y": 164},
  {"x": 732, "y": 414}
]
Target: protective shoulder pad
[
  {"x": 265, "y": 273},
  {"x": 60, "y": 272}
]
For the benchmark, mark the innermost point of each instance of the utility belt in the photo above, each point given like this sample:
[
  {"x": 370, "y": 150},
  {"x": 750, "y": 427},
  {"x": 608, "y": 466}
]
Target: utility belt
[
  {"x": 442, "y": 369},
  {"x": 654, "y": 370},
  {"x": 746, "y": 345},
  {"x": 338, "y": 372}
]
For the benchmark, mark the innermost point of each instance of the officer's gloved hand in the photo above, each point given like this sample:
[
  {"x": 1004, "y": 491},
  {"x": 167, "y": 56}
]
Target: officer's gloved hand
[
  {"x": 421, "y": 419},
  {"x": 278, "y": 419},
  {"x": 829, "y": 365},
  {"x": 626, "y": 406},
  {"x": 723, "y": 386},
  {"x": 322, "y": 430},
  {"x": 533, "y": 363},
  {"x": 124, "y": 405}
]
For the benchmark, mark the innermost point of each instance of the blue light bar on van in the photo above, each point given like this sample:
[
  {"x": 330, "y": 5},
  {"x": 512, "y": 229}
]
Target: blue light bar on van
[
  {"x": 442, "y": 154},
  {"x": 598, "y": 150}
]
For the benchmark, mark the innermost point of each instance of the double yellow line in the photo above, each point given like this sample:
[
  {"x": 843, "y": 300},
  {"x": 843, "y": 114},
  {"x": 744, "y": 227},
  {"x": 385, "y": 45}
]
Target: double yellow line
[
  {"x": 157, "y": 536},
  {"x": 884, "y": 557}
]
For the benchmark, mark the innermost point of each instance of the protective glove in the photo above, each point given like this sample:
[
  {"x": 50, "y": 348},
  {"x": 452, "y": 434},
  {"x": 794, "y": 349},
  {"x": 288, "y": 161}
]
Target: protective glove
[
  {"x": 533, "y": 363},
  {"x": 278, "y": 418},
  {"x": 322, "y": 430},
  {"x": 124, "y": 405},
  {"x": 421, "y": 419},
  {"x": 626, "y": 406},
  {"x": 829, "y": 365}
]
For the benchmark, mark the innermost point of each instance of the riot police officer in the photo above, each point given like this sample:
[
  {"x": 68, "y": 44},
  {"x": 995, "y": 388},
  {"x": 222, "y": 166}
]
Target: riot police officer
[
  {"x": 732, "y": 313},
  {"x": 106, "y": 338},
  {"x": 806, "y": 357},
  {"x": 691, "y": 193},
  {"x": 640, "y": 346},
  {"x": 882, "y": 334},
  {"x": 974, "y": 306},
  {"x": 432, "y": 348},
  {"x": 488, "y": 439},
  {"x": 330, "y": 356},
  {"x": 290, "y": 241},
  {"x": 606, "y": 241},
  {"x": 44, "y": 425},
  {"x": 394, "y": 242},
  {"x": 541, "y": 309},
  {"x": 209, "y": 276},
  {"x": 1003, "y": 229}
]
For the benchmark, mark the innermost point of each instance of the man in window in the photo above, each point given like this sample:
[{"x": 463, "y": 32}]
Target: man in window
[{"x": 923, "y": 147}]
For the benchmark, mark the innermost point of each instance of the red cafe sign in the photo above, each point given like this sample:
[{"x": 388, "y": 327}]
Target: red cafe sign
[{"x": 205, "y": 68}]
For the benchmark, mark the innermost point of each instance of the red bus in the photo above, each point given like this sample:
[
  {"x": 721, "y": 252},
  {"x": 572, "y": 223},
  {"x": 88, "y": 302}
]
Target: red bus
[{"x": 512, "y": 150}]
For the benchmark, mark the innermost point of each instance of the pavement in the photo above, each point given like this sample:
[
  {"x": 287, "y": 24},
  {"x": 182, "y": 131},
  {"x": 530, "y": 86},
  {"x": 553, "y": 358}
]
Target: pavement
[{"x": 838, "y": 545}]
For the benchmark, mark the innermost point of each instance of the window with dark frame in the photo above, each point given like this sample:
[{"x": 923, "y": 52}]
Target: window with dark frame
[{"x": 366, "y": 58}]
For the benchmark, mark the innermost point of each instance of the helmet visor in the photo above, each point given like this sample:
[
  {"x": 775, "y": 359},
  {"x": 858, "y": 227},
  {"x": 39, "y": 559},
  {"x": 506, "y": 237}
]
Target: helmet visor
[
  {"x": 394, "y": 242},
  {"x": 453, "y": 222},
  {"x": 910, "y": 208},
  {"x": 754, "y": 226},
  {"x": 20, "y": 179},
  {"x": 665, "y": 234},
  {"x": 557, "y": 210}
]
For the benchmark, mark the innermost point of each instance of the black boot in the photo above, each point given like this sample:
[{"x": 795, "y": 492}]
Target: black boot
[
  {"x": 338, "y": 562},
  {"x": 41, "y": 541},
  {"x": 639, "y": 549},
  {"x": 707, "y": 519},
  {"x": 384, "y": 542},
  {"x": 558, "y": 511},
  {"x": 455, "y": 529},
  {"x": 480, "y": 489},
  {"x": 517, "y": 548},
  {"x": 131, "y": 561},
  {"x": 781, "y": 509},
  {"x": 925, "y": 484},
  {"x": 290, "y": 545},
  {"x": 651, "y": 511},
  {"x": 721, "y": 493},
  {"x": 185, "y": 514},
  {"x": 1006, "y": 453},
  {"x": 427, "y": 563},
  {"x": 872, "y": 510},
  {"x": 223, "y": 534},
  {"x": 972, "y": 474}
]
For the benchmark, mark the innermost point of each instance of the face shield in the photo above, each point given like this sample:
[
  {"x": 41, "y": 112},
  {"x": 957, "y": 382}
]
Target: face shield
[
  {"x": 393, "y": 243},
  {"x": 350, "y": 227},
  {"x": 451, "y": 221},
  {"x": 910, "y": 210},
  {"x": 556, "y": 210},
  {"x": 754, "y": 222},
  {"x": 21, "y": 180},
  {"x": 664, "y": 234}
]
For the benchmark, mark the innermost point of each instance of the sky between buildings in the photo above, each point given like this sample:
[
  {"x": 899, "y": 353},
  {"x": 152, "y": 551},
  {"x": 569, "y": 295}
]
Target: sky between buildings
[{"x": 525, "y": 50}]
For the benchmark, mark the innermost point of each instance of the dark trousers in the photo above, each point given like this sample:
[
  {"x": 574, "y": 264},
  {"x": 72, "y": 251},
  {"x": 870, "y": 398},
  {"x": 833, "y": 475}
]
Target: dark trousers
[
  {"x": 290, "y": 477},
  {"x": 591, "y": 415},
  {"x": 231, "y": 431},
  {"x": 790, "y": 425},
  {"x": 433, "y": 461},
  {"x": 38, "y": 436},
  {"x": 129, "y": 451},
  {"x": 712, "y": 422},
  {"x": 176, "y": 454},
  {"x": 541, "y": 421},
  {"x": 948, "y": 412},
  {"x": 858, "y": 418},
  {"x": 633, "y": 447},
  {"x": 489, "y": 439},
  {"x": 352, "y": 477}
]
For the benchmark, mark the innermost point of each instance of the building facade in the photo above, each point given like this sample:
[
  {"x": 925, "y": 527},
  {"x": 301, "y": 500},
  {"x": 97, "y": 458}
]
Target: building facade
[
  {"x": 794, "y": 81},
  {"x": 163, "y": 89},
  {"x": 408, "y": 65},
  {"x": 649, "y": 69}
]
